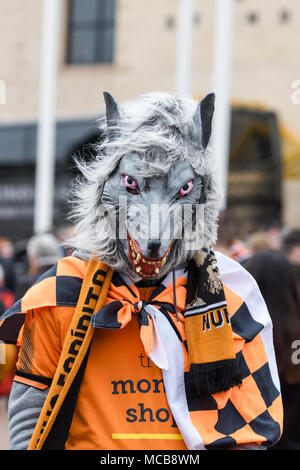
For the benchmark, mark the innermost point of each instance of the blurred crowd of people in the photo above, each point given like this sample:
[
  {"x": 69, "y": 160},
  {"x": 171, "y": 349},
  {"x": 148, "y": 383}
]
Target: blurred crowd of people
[
  {"x": 20, "y": 267},
  {"x": 271, "y": 255}
]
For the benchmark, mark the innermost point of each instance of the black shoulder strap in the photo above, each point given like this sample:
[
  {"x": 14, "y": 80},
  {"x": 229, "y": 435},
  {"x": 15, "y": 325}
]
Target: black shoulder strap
[{"x": 58, "y": 435}]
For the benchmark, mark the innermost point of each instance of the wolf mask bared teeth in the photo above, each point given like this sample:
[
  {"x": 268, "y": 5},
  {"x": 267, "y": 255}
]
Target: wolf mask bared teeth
[{"x": 149, "y": 200}]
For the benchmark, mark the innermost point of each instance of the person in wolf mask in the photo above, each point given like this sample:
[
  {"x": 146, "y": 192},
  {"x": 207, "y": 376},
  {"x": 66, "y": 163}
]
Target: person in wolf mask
[{"x": 145, "y": 338}]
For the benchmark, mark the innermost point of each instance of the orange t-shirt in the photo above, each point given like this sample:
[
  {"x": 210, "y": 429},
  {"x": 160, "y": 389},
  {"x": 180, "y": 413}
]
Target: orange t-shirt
[{"x": 122, "y": 403}]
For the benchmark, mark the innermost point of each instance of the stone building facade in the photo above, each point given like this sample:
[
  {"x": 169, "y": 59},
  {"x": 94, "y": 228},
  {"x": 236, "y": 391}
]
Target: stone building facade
[{"x": 142, "y": 57}]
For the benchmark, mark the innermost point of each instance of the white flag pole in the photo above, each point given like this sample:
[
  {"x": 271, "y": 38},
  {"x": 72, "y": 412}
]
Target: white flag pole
[
  {"x": 184, "y": 56},
  {"x": 45, "y": 156},
  {"x": 222, "y": 67}
]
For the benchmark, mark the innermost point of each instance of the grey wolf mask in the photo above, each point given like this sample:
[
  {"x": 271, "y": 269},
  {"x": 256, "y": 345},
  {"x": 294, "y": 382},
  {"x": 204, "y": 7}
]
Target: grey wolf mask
[{"x": 149, "y": 200}]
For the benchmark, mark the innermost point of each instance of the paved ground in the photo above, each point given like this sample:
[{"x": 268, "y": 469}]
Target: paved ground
[{"x": 3, "y": 425}]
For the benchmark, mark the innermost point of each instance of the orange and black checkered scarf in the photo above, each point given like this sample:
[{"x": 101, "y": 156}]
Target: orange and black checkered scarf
[
  {"x": 213, "y": 365},
  {"x": 198, "y": 300}
]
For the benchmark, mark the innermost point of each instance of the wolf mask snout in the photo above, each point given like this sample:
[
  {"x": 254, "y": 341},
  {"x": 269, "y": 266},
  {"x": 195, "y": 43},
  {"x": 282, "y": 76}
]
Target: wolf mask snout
[{"x": 153, "y": 248}]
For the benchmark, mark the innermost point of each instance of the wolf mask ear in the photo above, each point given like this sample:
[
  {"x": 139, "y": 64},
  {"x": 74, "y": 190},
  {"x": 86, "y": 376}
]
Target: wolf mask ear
[
  {"x": 203, "y": 119},
  {"x": 113, "y": 114}
]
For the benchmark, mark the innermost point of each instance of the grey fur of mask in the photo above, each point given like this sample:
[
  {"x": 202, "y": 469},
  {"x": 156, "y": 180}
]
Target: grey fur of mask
[{"x": 161, "y": 139}]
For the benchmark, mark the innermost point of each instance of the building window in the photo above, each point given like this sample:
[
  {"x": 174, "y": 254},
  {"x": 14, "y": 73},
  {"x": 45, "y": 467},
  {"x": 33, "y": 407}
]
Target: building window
[
  {"x": 170, "y": 22},
  {"x": 91, "y": 31},
  {"x": 252, "y": 17},
  {"x": 284, "y": 16},
  {"x": 17, "y": 144}
]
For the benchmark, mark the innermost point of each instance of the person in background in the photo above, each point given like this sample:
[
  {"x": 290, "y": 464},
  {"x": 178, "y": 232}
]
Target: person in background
[
  {"x": 291, "y": 246},
  {"x": 6, "y": 295},
  {"x": 7, "y": 262},
  {"x": 6, "y": 248},
  {"x": 64, "y": 233},
  {"x": 43, "y": 251},
  {"x": 274, "y": 234},
  {"x": 278, "y": 280},
  {"x": 258, "y": 241},
  {"x": 2, "y": 307},
  {"x": 239, "y": 250},
  {"x": 227, "y": 242},
  {"x": 225, "y": 234}
]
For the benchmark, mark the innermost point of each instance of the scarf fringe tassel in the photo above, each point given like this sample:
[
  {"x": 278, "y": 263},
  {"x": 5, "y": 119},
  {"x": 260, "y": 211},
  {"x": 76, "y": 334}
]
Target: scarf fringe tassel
[{"x": 212, "y": 381}]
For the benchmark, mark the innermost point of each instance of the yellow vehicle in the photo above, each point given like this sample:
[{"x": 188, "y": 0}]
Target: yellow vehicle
[{"x": 255, "y": 168}]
